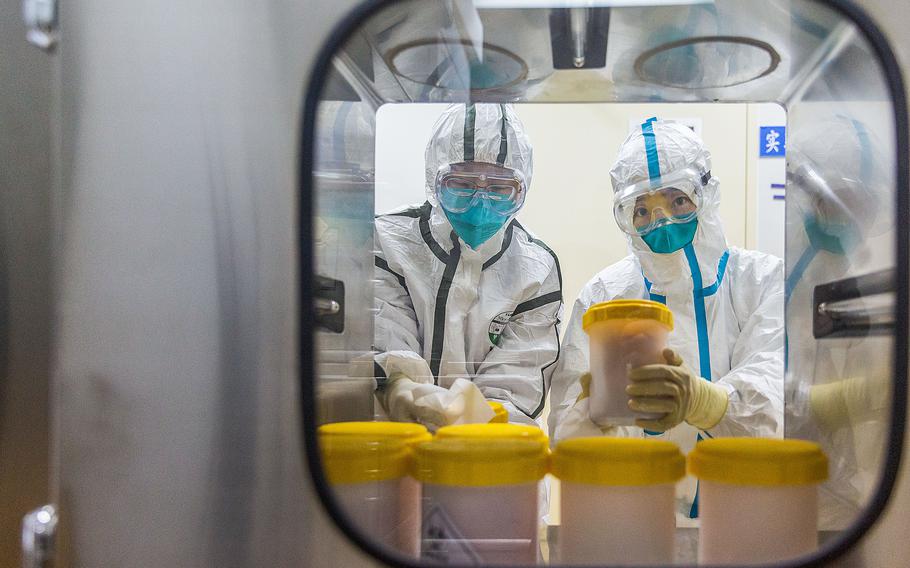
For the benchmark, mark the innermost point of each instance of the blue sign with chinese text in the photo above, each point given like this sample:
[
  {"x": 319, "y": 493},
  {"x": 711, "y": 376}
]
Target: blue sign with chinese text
[{"x": 772, "y": 141}]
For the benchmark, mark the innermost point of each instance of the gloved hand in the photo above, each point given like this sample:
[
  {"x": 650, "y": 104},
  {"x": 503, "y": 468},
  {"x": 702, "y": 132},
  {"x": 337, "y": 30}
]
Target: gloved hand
[
  {"x": 676, "y": 393},
  {"x": 433, "y": 406},
  {"x": 585, "y": 382},
  {"x": 577, "y": 423},
  {"x": 851, "y": 400}
]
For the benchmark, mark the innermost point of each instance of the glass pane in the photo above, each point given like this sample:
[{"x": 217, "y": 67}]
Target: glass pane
[{"x": 758, "y": 140}]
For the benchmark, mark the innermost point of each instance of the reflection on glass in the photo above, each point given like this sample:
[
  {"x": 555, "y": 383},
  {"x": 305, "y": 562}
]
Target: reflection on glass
[
  {"x": 840, "y": 218},
  {"x": 707, "y": 62}
]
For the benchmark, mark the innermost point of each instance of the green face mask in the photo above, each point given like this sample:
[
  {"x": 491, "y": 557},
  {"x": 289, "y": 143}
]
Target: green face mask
[
  {"x": 671, "y": 237},
  {"x": 836, "y": 239}
]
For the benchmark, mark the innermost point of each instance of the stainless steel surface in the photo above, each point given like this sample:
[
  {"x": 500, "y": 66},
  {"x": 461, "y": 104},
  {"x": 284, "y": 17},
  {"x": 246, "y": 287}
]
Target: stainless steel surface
[
  {"x": 878, "y": 310},
  {"x": 358, "y": 82},
  {"x": 26, "y": 301},
  {"x": 739, "y": 64},
  {"x": 39, "y": 534},
  {"x": 177, "y": 427},
  {"x": 578, "y": 18}
]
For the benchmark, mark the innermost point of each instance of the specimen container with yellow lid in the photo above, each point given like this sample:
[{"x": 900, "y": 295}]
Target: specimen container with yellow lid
[
  {"x": 759, "y": 493},
  {"x": 493, "y": 431},
  {"x": 484, "y": 489},
  {"x": 369, "y": 466},
  {"x": 622, "y": 334},
  {"x": 624, "y": 483}
]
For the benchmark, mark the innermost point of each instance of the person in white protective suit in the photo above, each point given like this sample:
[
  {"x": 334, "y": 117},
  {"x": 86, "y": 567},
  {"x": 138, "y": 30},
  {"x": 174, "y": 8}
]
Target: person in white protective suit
[
  {"x": 723, "y": 374},
  {"x": 467, "y": 300},
  {"x": 840, "y": 226}
]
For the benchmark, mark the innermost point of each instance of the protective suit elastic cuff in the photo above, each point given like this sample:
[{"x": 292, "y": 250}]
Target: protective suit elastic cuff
[
  {"x": 829, "y": 405},
  {"x": 710, "y": 408}
]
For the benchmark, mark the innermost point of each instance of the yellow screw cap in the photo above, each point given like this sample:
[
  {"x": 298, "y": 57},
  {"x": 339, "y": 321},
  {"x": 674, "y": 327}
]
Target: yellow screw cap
[
  {"x": 501, "y": 415},
  {"x": 618, "y": 461},
  {"x": 362, "y": 452},
  {"x": 413, "y": 433},
  {"x": 492, "y": 431},
  {"x": 466, "y": 462},
  {"x": 759, "y": 461},
  {"x": 628, "y": 310}
]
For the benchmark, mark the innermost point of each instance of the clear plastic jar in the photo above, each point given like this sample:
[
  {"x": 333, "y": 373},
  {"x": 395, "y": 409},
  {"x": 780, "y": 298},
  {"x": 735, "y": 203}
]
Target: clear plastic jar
[
  {"x": 617, "y": 500},
  {"x": 758, "y": 498},
  {"x": 480, "y": 499},
  {"x": 369, "y": 466},
  {"x": 622, "y": 334}
]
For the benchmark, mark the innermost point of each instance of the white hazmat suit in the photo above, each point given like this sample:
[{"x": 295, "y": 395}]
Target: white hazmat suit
[
  {"x": 727, "y": 306},
  {"x": 445, "y": 311}
]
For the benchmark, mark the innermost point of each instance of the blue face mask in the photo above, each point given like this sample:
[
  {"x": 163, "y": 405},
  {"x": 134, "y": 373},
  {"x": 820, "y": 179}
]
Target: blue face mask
[
  {"x": 671, "y": 237},
  {"x": 476, "y": 225},
  {"x": 836, "y": 239}
]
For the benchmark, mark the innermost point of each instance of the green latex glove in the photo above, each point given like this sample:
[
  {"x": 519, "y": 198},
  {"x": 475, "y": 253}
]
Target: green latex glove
[{"x": 676, "y": 393}]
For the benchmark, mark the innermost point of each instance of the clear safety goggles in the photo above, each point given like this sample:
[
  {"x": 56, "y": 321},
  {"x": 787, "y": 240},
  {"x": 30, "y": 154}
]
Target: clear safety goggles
[
  {"x": 460, "y": 186},
  {"x": 677, "y": 198}
]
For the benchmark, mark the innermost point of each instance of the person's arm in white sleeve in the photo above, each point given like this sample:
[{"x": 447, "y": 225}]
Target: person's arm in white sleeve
[
  {"x": 516, "y": 371},
  {"x": 573, "y": 363},
  {"x": 407, "y": 392},
  {"x": 755, "y": 383},
  {"x": 396, "y": 335},
  {"x": 395, "y": 324}
]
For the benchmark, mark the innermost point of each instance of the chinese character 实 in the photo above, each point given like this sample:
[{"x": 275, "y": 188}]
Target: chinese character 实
[{"x": 772, "y": 142}]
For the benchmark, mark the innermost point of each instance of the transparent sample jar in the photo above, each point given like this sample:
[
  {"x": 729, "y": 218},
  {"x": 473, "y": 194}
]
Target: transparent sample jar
[
  {"x": 500, "y": 414},
  {"x": 480, "y": 499},
  {"x": 368, "y": 465},
  {"x": 622, "y": 334},
  {"x": 617, "y": 500},
  {"x": 758, "y": 498},
  {"x": 504, "y": 431}
]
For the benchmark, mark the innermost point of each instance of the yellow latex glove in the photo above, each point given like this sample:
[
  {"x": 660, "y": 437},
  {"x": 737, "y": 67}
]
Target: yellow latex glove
[
  {"x": 849, "y": 401},
  {"x": 585, "y": 381},
  {"x": 676, "y": 393}
]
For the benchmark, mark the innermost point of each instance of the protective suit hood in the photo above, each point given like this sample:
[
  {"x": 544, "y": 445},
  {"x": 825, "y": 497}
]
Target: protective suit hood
[
  {"x": 672, "y": 147},
  {"x": 490, "y": 133}
]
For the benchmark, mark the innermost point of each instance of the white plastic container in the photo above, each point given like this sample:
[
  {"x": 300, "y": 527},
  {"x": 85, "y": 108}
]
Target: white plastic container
[
  {"x": 617, "y": 500},
  {"x": 369, "y": 465},
  {"x": 480, "y": 499},
  {"x": 506, "y": 431},
  {"x": 622, "y": 334},
  {"x": 758, "y": 498}
]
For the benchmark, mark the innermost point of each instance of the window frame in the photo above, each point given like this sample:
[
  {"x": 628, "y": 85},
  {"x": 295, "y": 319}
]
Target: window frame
[{"x": 830, "y": 551}]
